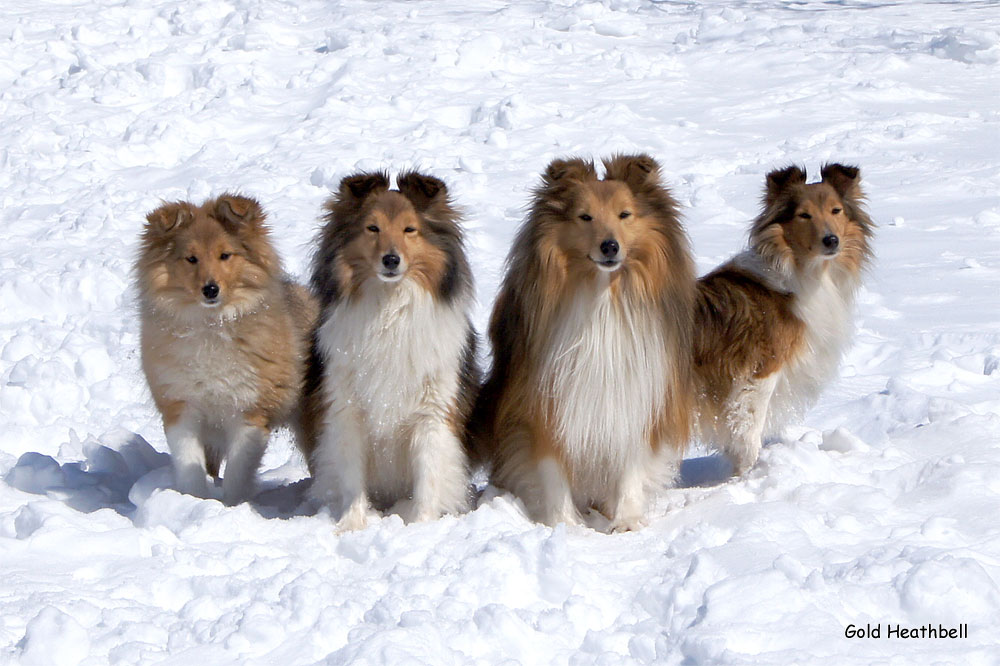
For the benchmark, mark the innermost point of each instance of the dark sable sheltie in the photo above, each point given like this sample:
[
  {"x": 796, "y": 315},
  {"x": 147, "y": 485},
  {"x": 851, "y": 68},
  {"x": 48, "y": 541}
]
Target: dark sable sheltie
[
  {"x": 225, "y": 336},
  {"x": 393, "y": 375},
  {"x": 772, "y": 323},
  {"x": 588, "y": 402}
]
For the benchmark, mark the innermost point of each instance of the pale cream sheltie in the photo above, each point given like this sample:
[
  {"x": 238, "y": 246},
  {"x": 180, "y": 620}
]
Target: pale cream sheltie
[
  {"x": 225, "y": 337},
  {"x": 772, "y": 323},
  {"x": 393, "y": 373},
  {"x": 588, "y": 403}
]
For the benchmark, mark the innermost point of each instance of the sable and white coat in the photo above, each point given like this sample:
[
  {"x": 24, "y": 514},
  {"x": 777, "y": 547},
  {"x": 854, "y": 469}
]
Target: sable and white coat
[
  {"x": 393, "y": 365},
  {"x": 773, "y": 322}
]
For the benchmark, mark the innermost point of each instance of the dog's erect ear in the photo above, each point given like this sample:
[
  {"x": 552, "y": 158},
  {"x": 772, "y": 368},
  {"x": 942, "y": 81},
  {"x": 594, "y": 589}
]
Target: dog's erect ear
[
  {"x": 238, "y": 212},
  {"x": 168, "y": 217},
  {"x": 845, "y": 179},
  {"x": 358, "y": 186},
  {"x": 637, "y": 171},
  {"x": 780, "y": 179},
  {"x": 422, "y": 190},
  {"x": 561, "y": 171}
]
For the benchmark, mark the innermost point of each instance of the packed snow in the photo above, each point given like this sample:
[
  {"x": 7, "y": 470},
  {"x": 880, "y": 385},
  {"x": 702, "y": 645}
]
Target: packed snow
[{"x": 880, "y": 508}]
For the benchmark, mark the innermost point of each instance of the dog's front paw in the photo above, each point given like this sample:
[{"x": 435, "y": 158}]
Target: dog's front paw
[
  {"x": 191, "y": 480},
  {"x": 627, "y": 524},
  {"x": 415, "y": 512},
  {"x": 355, "y": 518}
]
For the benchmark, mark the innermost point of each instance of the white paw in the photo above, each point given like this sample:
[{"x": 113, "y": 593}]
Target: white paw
[
  {"x": 236, "y": 493},
  {"x": 569, "y": 517},
  {"x": 742, "y": 463},
  {"x": 627, "y": 524},
  {"x": 355, "y": 518},
  {"x": 191, "y": 480}
]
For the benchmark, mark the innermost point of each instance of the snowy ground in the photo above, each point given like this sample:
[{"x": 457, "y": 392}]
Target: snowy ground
[{"x": 881, "y": 508}]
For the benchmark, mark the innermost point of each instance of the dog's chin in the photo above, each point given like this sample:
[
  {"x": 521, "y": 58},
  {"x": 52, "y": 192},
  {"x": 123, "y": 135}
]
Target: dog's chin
[
  {"x": 607, "y": 266},
  {"x": 395, "y": 276}
]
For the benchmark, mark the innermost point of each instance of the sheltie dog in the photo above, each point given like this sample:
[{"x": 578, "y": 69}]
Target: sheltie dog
[
  {"x": 588, "y": 402},
  {"x": 772, "y": 323},
  {"x": 225, "y": 337},
  {"x": 393, "y": 371}
]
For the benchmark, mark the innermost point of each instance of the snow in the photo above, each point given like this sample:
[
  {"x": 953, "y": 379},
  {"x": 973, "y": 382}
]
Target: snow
[{"x": 880, "y": 507}]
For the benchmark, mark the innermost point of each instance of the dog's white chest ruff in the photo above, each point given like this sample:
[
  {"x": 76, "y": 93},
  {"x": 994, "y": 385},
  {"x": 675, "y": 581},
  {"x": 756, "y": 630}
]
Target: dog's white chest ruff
[
  {"x": 605, "y": 373},
  {"x": 826, "y": 308},
  {"x": 391, "y": 353},
  {"x": 208, "y": 368}
]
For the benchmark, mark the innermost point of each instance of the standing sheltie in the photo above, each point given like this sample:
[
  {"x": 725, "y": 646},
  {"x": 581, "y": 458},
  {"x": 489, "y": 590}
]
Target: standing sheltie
[
  {"x": 772, "y": 323},
  {"x": 224, "y": 338},
  {"x": 393, "y": 374},
  {"x": 588, "y": 402}
]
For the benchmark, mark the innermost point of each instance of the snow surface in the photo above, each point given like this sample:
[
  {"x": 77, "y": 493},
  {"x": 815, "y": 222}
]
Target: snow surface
[{"x": 882, "y": 507}]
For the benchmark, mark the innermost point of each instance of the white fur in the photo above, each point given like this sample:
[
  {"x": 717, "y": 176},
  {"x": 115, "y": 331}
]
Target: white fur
[
  {"x": 747, "y": 411},
  {"x": 826, "y": 304},
  {"x": 187, "y": 456},
  {"x": 203, "y": 366},
  {"x": 392, "y": 360},
  {"x": 605, "y": 370}
]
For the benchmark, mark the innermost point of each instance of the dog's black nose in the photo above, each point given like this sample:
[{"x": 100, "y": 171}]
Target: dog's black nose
[
  {"x": 210, "y": 291},
  {"x": 830, "y": 241},
  {"x": 390, "y": 261},
  {"x": 609, "y": 248}
]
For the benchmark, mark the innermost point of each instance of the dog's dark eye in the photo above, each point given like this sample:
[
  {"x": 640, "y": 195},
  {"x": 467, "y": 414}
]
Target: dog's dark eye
[
  {"x": 192, "y": 259},
  {"x": 836, "y": 211},
  {"x": 805, "y": 216},
  {"x": 625, "y": 213},
  {"x": 372, "y": 228},
  {"x": 586, "y": 218},
  {"x": 409, "y": 230},
  {"x": 225, "y": 255}
]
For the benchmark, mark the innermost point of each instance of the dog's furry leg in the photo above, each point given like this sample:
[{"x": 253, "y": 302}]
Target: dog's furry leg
[
  {"x": 243, "y": 455},
  {"x": 440, "y": 471},
  {"x": 339, "y": 463},
  {"x": 746, "y": 415},
  {"x": 630, "y": 498},
  {"x": 554, "y": 503},
  {"x": 187, "y": 454}
]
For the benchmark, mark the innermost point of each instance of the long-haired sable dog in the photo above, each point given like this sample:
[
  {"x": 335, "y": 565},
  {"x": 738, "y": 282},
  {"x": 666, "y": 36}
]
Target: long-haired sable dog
[
  {"x": 588, "y": 401},
  {"x": 393, "y": 375},
  {"x": 772, "y": 323},
  {"x": 224, "y": 338}
]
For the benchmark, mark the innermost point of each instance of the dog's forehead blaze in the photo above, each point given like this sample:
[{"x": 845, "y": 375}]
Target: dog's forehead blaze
[
  {"x": 819, "y": 198},
  {"x": 392, "y": 209},
  {"x": 205, "y": 235},
  {"x": 607, "y": 196}
]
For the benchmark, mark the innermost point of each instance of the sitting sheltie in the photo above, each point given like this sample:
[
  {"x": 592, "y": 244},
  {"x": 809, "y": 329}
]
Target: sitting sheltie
[
  {"x": 393, "y": 373},
  {"x": 225, "y": 338},
  {"x": 772, "y": 323},
  {"x": 588, "y": 402}
]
